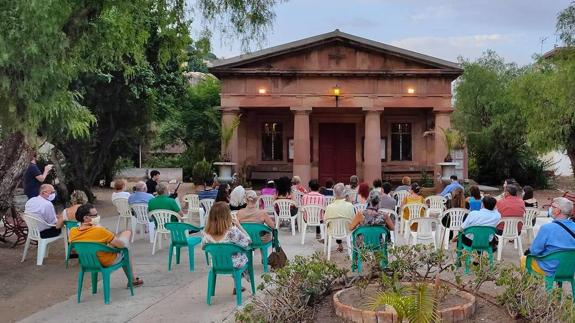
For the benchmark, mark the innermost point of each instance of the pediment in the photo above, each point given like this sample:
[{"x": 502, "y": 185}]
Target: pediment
[{"x": 335, "y": 52}]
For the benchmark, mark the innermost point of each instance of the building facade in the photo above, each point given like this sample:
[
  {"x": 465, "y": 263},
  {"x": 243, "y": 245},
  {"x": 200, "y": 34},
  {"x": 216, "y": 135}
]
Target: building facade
[{"x": 335, "y": 105}]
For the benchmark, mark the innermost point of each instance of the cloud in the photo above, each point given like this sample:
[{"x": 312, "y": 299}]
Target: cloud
[
  {"x": 451, "y": 47},
  {"x": 358, "y": 22}
]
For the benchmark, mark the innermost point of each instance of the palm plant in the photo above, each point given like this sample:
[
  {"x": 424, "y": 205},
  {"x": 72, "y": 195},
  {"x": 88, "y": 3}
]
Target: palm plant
[
  {"x": 417, "y": 303},
  {"x": 453, "y": 139},
  {"x": 227, "y": 132}
]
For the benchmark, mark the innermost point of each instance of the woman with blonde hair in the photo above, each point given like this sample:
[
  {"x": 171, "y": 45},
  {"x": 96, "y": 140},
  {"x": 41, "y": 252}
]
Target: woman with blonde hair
[
  {"x": 77, "y": 199},
  {"x": 252, "y": 214},
  {"x": 221, "y": 228}
]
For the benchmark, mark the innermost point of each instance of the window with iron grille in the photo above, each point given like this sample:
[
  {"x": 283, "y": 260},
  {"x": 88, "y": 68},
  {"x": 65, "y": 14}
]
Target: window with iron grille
[
  {"x": 272, "y": 141},
  {"x": 401, "y": 141}
]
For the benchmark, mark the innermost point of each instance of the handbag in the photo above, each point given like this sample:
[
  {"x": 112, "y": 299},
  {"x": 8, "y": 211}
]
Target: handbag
[{"x": 277, "y": 259}]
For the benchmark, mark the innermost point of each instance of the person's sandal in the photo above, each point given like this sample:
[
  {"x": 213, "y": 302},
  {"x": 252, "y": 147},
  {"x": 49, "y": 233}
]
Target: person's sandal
[
  {"x": 136, "y": 283},
  {"x": 243, "y": 290}
]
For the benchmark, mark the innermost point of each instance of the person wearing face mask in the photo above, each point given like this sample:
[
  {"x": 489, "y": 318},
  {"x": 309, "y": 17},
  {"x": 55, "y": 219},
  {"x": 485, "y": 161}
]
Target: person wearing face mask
[
  {"x": 41, "y": 207},
  {"x": 554, "y": 236},
  {"x": 90, "y": 230}
]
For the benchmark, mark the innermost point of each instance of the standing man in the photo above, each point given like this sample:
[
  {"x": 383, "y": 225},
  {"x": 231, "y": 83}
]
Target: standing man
[
  {"x": 339, "y": 208},
  {"x": 41, "y": 208},
  {"x": 33, "y": 177},
  {"x": 153, "y": 181}
]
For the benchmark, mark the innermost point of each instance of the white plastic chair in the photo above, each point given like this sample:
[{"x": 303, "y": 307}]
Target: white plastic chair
[
  {"x": 456, "y": 216},
  {"x": 284, "y": 213},
  {"x": 194, "y": 208},
  {"x": 359, "y": 207},
  {"x": 399, "y": 196},
  {"x": 207, "y": 206},
  {"x": 530, "y": 214},
  {"x": 352, "y": 195},
  {"x": 395, "y": 218},
  {"x": 124, "y": 213},
  {"x": 436, "y": 205},
  {"x": 268, "y": 203},
  {"x": 162, "y": 217},
  {"x": 416, "y": 210},
  {"x": 424, "y": 233},
  {"x": 336, "y": 228},
  {"x": 510, "y": 232},
  {"x": 142, "y": 219},
  {"x": 328, "y": 200},
  {"x": 34, "y": 234},
  {"x": 297, "y": 197},
  {"x": 312, "y": 215},
  {"x": 234, "y": 215}
]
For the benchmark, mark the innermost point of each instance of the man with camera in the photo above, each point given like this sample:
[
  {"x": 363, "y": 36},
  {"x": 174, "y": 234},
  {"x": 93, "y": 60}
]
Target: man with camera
[{"x": 33, "y": 177}]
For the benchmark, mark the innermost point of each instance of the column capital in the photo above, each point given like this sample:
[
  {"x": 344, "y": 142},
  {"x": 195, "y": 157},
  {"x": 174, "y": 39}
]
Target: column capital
[
  {"x": 437, "y": 110},
  {"x": 230, "y": 110},
  {"x": 373, "y": 109},
  {"x": 301, "y": 110}
]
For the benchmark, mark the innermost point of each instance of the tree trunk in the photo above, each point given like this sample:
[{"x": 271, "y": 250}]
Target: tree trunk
[
  {"x": 14, "y": 159},
  {"x": 571, "y": 155}
]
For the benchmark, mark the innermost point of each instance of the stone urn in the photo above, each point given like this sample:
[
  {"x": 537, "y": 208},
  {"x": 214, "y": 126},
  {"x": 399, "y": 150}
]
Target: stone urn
[
  {"x": 447, "y": 169},
  {"x": 225, "y": 170}
]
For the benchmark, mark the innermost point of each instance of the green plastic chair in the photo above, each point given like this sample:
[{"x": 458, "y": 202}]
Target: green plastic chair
[
  {"x": 565, "y": 271},
  {"x": 179, "y": 239},
  {"x": 480, "y": 244},
  {"x": 89, "y": 263},
  {"x": 69, "y": 225},
  {"x": 221, "y": 254},
  {"x": 372, "y": 237},
  {"x": 254, "y": 230}
]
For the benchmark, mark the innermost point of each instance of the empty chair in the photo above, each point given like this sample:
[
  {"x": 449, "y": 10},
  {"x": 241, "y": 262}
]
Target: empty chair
[
  {"x": 455, "y": 216},
  {"x": 179, "y": 233},
  {"x": 531, "y": 214},
  {"x": 124, "y": 213},
  {"x": 297, "y": 196},
  {"x": 436, "y": 205},
  {"x": 194, "y": 208},
  {"x": 510, "y": 232},
  {"x": 414, "y": 210},
  {"x": 142, "y": 219},
  {"x": 424, "y": 233},
  {"x": 34, "y": 234},
  {"x": 336, "y": 228},
  {"x": 162, "y": 217},
  {"x": 393, "y": 234},
  {"x": 312, "y": 216},
  {"x": 399, "y": 196},
  {"x": 268, "y": 203},
  {"x": 359, "y": 207},
  {"x": 282, "y": 211},
  {"x": 207, "y": 205}
]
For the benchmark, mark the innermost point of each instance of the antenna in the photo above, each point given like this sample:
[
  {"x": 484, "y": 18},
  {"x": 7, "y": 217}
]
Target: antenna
[{"x": 542, "y": 40}]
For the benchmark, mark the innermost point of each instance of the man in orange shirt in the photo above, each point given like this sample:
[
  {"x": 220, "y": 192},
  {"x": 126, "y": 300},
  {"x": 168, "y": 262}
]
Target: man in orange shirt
[{"x": 91, "y": 231}]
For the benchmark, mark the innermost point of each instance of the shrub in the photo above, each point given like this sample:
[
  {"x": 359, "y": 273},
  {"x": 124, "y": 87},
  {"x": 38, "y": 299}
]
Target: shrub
[{"x": 201, "y": 171}]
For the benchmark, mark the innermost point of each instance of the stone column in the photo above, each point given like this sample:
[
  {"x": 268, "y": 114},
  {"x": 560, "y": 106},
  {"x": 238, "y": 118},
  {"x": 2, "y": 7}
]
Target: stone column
[
  {"x": 442, "y": 120},
  {"x": 301, "y": 136},
  {"x": 228, "y": 115},
  {"x": 372, "y": 146}
]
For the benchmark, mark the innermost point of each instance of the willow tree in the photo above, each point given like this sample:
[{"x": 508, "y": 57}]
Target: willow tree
[{"x": 47, "y": 46}]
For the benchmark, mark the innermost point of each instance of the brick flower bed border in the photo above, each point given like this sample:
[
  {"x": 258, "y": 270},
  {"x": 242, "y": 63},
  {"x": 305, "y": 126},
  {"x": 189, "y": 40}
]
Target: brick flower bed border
[{"x": 457, "y": 313}]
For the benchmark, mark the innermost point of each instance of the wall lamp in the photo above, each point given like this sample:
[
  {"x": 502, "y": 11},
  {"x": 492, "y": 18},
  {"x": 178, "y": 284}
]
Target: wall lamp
[{"x": 336, "y": 93}]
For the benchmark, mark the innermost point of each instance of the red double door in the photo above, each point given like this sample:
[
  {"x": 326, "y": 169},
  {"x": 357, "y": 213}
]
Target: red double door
[{"x": 336, "y": 152}]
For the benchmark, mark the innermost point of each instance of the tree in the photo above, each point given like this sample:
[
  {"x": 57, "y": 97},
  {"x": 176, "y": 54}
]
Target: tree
[
  {"x": 492, "y": 122},
  {"x": 547, "y": 94}
]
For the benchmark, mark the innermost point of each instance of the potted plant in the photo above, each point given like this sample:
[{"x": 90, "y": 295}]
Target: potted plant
[
  {"x": 225, "y": 166},
  {"x": 427, "y": 185},
  {"x": 453, "y": 140}
]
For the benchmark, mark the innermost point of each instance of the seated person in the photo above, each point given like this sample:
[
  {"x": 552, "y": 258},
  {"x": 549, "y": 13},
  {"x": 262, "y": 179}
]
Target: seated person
[
  {"x": 90, "y": 230},
  {"x": 405, "y": 184},
  {"x": 140, "y": 196},
  {"x": 371, "y": 216},
  {"x": 377, "y": 183},
  {"x": 510, "y": 206},
  {"x": 77, "y": 199},
  {"x": 223, "y": 193},
  {"x": 221, "y": 228},
  {"x": 488, "y": 216},
  {"x": 41, "y": 208},
  {"x": 385, "y": 200},
  {"x": 328, "y": 189},
  {"x": 270, "y": 188},
  {"x": 238, "y": 198},
  {"x": 119, "y": 193},
  {"x": 473, "y": 202},
  {"x": 339, "y": 208},
  {"x": 413, "y": 198},
  {"x": 284, "y": 193},
  {"x": 553, "y": 236},
  {"x": 453, "y": 185},
  {"x": 164, "y": 202},
  {"x": 252, "y": 214},
  {"x": 314, "y": 197},
  {"x": 208, "y": 192},
  {"x": 296, "y": 185},
  {"x": 362, "y": 193}
]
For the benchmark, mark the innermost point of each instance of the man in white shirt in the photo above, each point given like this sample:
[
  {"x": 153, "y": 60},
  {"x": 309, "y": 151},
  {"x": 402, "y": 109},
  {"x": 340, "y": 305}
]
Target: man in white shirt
[
  {"x": 488, "y": 216},
  {"x": 41, "y": 207},
  {"x": 339, "y": 208}
]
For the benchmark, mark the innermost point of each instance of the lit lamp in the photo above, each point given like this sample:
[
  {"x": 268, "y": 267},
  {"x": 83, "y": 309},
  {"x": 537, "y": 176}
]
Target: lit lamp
[
  {"x": 336, "y": 93},
  {"x": 411, "y": 90},
  {"x": 262, "y": 90}
]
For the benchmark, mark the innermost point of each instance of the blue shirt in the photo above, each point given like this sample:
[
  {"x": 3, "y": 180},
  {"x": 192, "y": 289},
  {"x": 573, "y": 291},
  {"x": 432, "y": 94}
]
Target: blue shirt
[
  {"x": 140, "y": 197},
  {"x": 481, "y": 218},
  {"x": 474, "y": 205},
  {"x": 552, "y": 237},
  {"x": 208, "y": 194},
  {"x": 449, "y": 188}
]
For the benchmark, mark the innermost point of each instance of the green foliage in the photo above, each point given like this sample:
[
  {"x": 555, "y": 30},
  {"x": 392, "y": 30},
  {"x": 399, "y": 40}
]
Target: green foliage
[
  {"x": 202, "y": 171},
  {"x": 227, "y": 132},
  {"x": 163, "y": 161},
  {"x": 291, "y": 293},
  {"x": 426, "y": 180},
  {"x": 408, "y": 261},
  {"x": 566, "y": 25},
  {"x": 416, "y": 302},
  {"x": 492, "y": 123},
  {"x": 121, "y": 164}
]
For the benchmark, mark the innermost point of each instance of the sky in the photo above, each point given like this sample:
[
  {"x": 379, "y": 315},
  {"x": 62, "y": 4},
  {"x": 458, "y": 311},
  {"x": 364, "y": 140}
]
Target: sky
[{"x": 445, "y": 29}]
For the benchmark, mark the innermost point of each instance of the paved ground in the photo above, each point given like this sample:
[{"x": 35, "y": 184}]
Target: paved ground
[{"x": 165, "y": 296}]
